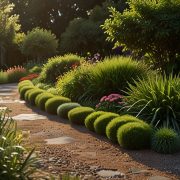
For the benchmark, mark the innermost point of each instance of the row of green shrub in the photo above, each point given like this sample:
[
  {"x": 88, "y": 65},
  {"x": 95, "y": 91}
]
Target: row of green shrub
[
  {"x": 128, "y": 131},
  {"x": 148, "y": 95}
]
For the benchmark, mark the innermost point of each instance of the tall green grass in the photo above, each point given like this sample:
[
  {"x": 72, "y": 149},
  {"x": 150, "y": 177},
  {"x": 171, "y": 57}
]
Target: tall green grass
[
  {"x": 156, "y": 100},
  {"x": 94, "y": 81}
]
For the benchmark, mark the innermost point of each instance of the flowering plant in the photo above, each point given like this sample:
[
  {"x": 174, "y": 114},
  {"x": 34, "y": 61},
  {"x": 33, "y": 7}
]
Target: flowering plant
[
  {"x": 29, "y": 77},
  {"x": 111, "y": 103},
  {"x": 15, "y": 73}
]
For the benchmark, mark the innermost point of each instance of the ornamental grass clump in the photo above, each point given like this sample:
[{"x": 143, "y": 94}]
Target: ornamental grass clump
[
  {"x": 64, "y": 109},
  {"x": 116, "y": 123},
  {"x": 110, "y": 103},
  {"x": 16, "y": 73},
  {"x": 134, "y": 135},
  {"x": 90, "y": 119},
  {"x": 79, "y": 114},
  {"x": 102, "y": 121},
  {"x": 156, "y": 100},
  {"x": 53, "y": 103},
  {"x": 91, "y": 82},
  {"x": 57, "y": 66},
  {"x": 165, "y": 141}
]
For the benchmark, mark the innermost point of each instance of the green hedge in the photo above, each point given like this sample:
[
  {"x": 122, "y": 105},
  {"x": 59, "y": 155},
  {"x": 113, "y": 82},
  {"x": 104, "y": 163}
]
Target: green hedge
[
  {"x": 33, "y": 94},
  {"x": 63, "y": 109},
  {"x": 134, "y": 135},
  {"x": 23, "y": 90},
  {"x": 79, "y": 114},
  {"x": 90, "y": 119},
  {"x": 53, "y": 103},
  {"x": 41, "y": 100},
  {"x": 115, "y": 124},
  {"x": 102, "y": 121}
]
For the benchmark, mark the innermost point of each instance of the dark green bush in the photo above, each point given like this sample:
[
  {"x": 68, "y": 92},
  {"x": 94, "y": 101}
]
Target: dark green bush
[
  {"x": 116, "y": 123},
  {"x": 94, "y": 81},
  {"x": 79, "y": 114},
  {"x": 23, "y": 90},
  {"x": 41, "y": 99},
  {"x": 33, "y": 94},
  {"x": 57, "y": 66},
  {"x": 53, "y": 103},
  {"x": 156, "y": 100},
  {"x": 165, "y": 141},
  {"x": 102, "y": 121},
  {"x": 63, "y": 109},
  {"x": 134, "y": 135},
  {"x": 39, "y": 43},
  {"x": 90, "y": 119}
]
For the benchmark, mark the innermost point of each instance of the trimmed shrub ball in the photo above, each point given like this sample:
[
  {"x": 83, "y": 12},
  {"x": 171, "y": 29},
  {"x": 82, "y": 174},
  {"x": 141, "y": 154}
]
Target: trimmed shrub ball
[
  {"x": 134, "y": 135},
  {"x": 26, "y": 95},
  {"x": 165, "y": 141},
  {"x": 24, "y": 83},
  {"x": 53, "y": 103},
  {"x": 79, "y": 114},
  {"x": 115, "y": 124},
  {"x": 102, "y": 121},
  {"x": 41, "y": 99},
  {"x": 90, "y": 119},
  {"x": 33, "y": 94},
  {"x": 23, "y": 90},
  {"x": 63, "y": 109}
]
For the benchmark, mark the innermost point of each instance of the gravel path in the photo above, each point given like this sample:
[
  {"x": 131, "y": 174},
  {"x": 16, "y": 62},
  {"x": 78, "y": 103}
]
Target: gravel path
[{"x": 73, "y": 149}]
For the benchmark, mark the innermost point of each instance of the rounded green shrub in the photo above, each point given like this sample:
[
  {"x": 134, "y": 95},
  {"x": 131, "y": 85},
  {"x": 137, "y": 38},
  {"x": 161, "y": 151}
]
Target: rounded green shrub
[
  {"x": 53, "y": 103},
  {"x": 134, "y": 135},
  {"x": 23, "y": 90},
  {"x": 79, "y": 114},
  {"x": 24, "y": 83},
  {"x": 41, "y": 99},
  {"x": 115, "y": 124},
  {"x": 33, "y": 94},
  {"x": 102, "y": 121},
  {"x": 90, "y": 119},
  {"x": 165, "y": 141},
  {"x": 35, "y": 69},
  {"x": 63, "y": 109},
  {"x": 57, "y": 66},
  {"x": 26, "y": 95}
]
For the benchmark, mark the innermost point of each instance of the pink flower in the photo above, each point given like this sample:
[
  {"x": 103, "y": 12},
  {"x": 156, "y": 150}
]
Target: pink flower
[{"x": 103, "y": 98}]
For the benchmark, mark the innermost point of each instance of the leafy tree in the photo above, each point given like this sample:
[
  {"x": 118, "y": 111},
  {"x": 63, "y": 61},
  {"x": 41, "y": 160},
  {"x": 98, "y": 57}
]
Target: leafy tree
[
  {"x": 9, "y": 27},
  {"x": 85, "y": 34},
  {"x": 51, "y": 14},
  {"x": 149, "y": 26},
  {"x": 39, "y": 43}
]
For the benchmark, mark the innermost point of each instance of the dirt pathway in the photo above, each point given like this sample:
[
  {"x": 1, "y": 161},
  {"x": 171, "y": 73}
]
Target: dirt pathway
[{"x": 80, "y": 152}]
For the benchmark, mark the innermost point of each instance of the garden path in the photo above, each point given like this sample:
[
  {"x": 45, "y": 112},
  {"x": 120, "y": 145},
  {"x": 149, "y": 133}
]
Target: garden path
[{"x": 65, "y": 148}]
